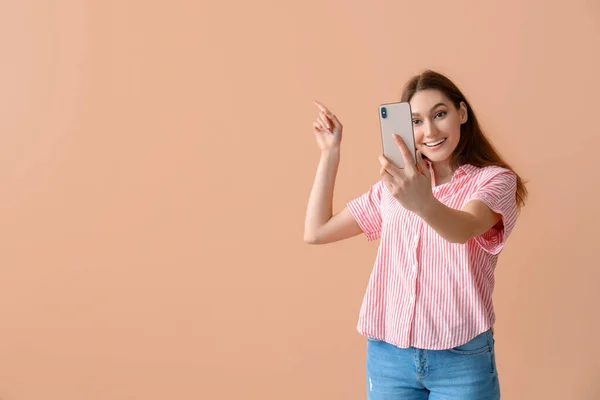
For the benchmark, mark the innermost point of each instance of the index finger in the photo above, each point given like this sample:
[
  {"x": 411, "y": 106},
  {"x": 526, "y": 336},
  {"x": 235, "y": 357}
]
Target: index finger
[
  {"x": 409, "y": 160},
  {"x": 322, "y": 108}
]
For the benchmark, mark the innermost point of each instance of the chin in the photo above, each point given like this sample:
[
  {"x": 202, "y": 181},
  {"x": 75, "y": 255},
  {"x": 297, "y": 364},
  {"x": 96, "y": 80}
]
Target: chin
[{"x": 437, "y": 158}]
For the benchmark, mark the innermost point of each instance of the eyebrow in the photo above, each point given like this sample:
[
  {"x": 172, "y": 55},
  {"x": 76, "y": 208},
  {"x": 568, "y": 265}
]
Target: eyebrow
[{"x": 432, "y": 108}]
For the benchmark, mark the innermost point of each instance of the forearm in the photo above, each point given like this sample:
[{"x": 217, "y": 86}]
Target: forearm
[
  {"x": 320, "y": 202},
  {"x": 455, "y": 226}
]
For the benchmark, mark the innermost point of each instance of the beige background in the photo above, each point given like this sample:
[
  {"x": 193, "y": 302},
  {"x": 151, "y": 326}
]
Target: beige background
[{"x": 156, "y": 160}]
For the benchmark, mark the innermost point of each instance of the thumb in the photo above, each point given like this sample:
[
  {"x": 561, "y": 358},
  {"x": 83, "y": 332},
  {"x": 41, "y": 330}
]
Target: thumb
[{"x": 422, "y": 164}]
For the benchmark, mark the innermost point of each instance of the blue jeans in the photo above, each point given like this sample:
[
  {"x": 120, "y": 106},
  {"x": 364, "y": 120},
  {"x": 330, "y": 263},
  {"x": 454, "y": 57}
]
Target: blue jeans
[{"x": 466, "y": 372}]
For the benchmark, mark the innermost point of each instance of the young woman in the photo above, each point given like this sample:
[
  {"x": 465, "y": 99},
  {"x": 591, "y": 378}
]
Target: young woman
[{"x": 427, "y": 311}]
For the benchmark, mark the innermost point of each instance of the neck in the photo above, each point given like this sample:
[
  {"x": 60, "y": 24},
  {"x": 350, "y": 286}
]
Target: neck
[{"x": 443, "y": 172}]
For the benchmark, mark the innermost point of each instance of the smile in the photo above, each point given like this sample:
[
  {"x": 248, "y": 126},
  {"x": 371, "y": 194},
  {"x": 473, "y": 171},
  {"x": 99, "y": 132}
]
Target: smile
[{"x": 434, "y": 144}]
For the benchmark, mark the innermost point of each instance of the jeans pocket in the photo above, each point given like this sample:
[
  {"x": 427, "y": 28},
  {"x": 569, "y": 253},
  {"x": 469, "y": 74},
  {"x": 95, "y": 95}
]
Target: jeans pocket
[
  {"x": 479, "y": 350},
  {"x": 459, "y": 350},
  {"x": 477, "y": 345}
]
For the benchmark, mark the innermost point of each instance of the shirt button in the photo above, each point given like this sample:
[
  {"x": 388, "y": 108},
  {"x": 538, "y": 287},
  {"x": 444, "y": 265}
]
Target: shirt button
[
  {"x": 412, "y": 298},
  {"x": 415, "y": 267}
]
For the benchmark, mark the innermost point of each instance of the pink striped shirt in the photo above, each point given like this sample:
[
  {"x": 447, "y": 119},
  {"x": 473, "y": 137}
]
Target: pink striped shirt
[{"x": 424, "y": 291}]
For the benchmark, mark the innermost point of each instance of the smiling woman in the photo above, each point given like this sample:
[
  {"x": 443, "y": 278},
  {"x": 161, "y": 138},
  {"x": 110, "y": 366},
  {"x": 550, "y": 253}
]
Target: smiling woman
[
  {"x": 441, "y": 112},
  {"x": 442, "y": 223},
  {"x": 437, "y": 131}
]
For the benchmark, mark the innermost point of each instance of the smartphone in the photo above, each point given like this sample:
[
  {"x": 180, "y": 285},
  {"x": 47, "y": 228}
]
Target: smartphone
[{"x": 396, "y": 118}]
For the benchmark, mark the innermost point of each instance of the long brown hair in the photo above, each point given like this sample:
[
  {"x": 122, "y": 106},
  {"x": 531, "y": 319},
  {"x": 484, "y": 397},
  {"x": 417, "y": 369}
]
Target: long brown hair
[{"x": 473, "y": 147}]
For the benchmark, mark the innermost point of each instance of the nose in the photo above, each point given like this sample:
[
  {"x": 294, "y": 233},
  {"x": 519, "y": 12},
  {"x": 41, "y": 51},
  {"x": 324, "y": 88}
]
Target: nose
[{"x": 430, "y": 129}]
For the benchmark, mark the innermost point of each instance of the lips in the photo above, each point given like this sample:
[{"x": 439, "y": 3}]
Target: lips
[{"x": 435, "y": 144}]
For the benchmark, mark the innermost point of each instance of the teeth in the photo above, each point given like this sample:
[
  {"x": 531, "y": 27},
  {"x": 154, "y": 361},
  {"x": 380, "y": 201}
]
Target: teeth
[{"x": 434, "y": 143}]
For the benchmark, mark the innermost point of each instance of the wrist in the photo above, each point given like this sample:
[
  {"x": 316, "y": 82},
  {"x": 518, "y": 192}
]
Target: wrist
[
  {"x": 429, "y": 208},
  {"x": 330, "y": 150}
]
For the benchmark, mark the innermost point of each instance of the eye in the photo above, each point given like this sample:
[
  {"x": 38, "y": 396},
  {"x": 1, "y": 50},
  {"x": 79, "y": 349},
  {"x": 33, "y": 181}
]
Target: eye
[
  {"x": 440, "y": 114},
  {"x": 416, "y": 121}
]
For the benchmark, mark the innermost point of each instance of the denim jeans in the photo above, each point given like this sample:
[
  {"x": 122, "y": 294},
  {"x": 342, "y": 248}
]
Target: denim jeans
[{"x": 466, "y": 372}]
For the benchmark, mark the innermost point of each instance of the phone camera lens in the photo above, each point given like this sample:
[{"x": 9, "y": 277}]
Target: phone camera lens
[{"x": 383, "y": 112}]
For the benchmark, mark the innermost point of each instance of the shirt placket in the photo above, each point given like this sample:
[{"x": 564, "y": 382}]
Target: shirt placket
[{"x": 414, "y": 272}]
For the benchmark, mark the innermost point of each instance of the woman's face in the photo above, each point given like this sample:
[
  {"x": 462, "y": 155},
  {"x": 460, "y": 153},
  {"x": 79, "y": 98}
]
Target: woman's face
[{"x": 436, "y": 124}]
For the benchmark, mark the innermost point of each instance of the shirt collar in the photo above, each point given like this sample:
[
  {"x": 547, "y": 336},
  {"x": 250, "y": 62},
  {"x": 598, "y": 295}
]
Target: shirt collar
[{"x": 465, "y": 169}]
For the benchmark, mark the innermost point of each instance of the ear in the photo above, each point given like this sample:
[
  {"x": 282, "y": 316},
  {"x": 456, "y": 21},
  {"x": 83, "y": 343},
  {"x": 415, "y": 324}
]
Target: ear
[{"x": 462, "y": 112}]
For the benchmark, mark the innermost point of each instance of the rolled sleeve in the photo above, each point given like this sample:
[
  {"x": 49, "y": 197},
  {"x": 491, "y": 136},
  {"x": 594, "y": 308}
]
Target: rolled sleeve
[{"x": 497, "y": 190}]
